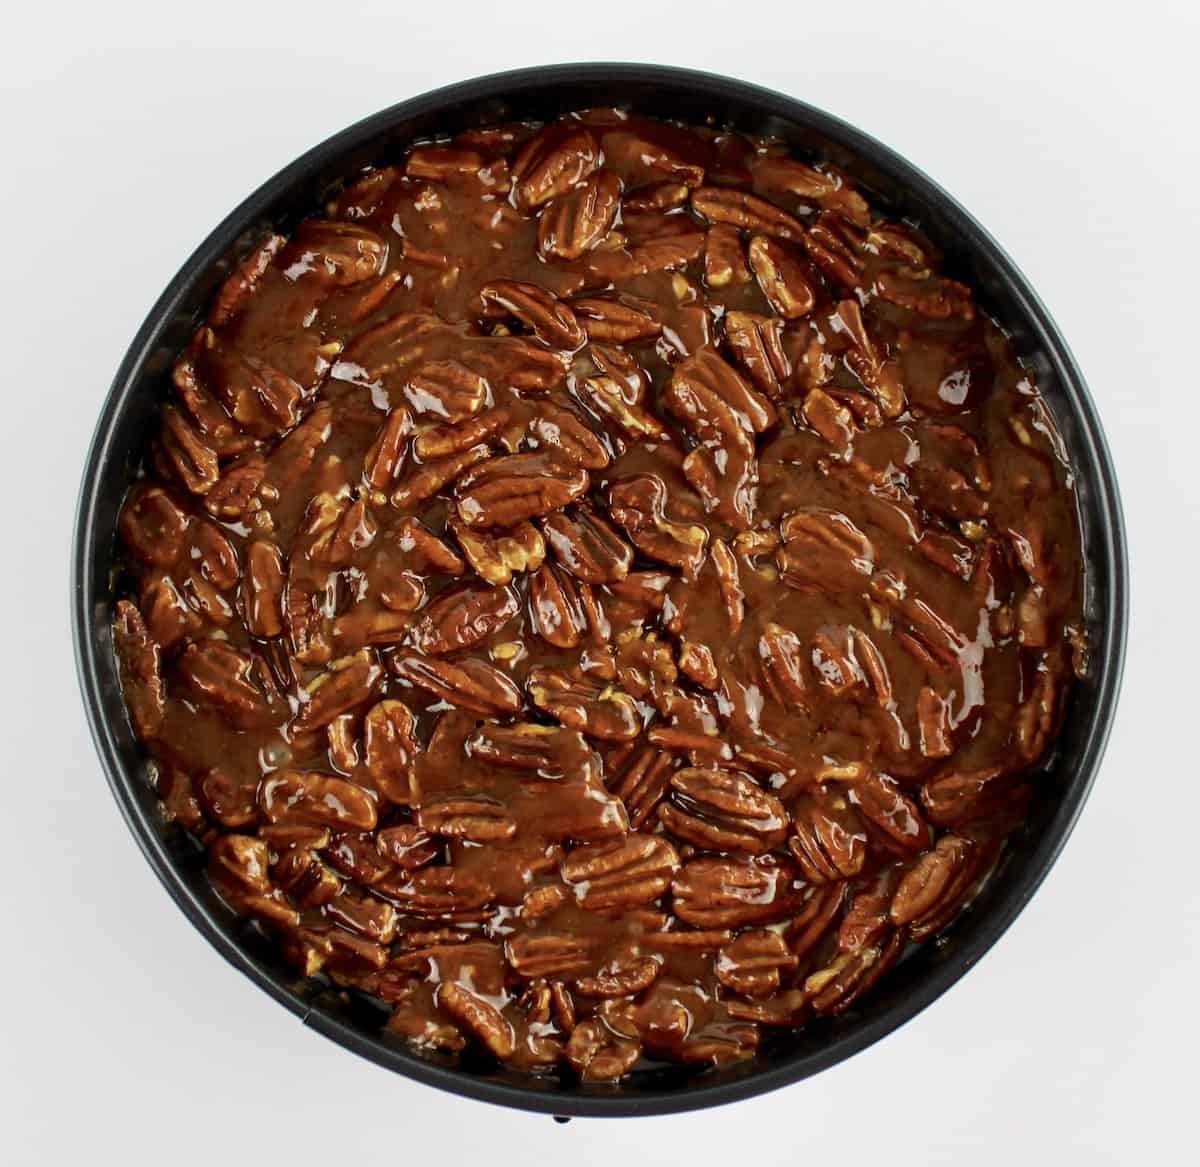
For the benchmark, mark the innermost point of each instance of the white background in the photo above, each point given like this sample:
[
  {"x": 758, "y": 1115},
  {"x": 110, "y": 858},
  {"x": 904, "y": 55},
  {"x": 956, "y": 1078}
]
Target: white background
[{"x": 129, "y": 130}]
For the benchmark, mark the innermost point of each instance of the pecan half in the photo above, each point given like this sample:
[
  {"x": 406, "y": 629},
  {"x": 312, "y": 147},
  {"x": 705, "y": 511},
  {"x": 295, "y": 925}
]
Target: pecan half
[
  {"x": 472, "y": 817},
  {"x": 389, "y": 746},
  {"x": 233, "y": 682},
  {"x": 577, "y": 221},
  {"x": 597, "y": 1054},
  {"x": 596, "y": 709},
  {"x": 638, "y": 504},
  {"x": 614, "y": 320},
  {"x": 739, "y": 208},
  {"x": 346, "y": 684},
  {"x": 754, "y": 963},
  {"x": 714, "y": 892},
  {"x": 781, "y": 278},
  {"x": 336, "y": 253},
  {"x": 722, "y": 810},
  {"x": 141, "y": 678},
  {"x": 497, "y": 555},
  {"x": 555, "y": 610},
  {"x": 507, "y": 490},
  {"x": 551, "y": 163},
  {"x": 620, "y": 874},
  {"x": 152, "y": 525},
  {"x": 724, "y": 260},
  {"x": 828, "y": 842},
  {"x": 467, "y": 683},
  {"x": 564, "y": 432},
  {"x": 262, "y": 589},
  {"x": 309, "y": 798},
  {"x": 462, "y": 616},
  {"x": 757, "y": 345},
  {"x": 547, "y": 317},
  {"x": 587, "y": 546}
]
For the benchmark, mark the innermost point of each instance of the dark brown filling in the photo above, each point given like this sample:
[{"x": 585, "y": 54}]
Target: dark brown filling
[{"x": 600, "y": 590}]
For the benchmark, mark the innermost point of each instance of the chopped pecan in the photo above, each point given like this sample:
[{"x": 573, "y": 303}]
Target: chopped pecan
[
  {"x": 723, "y": 810},
  {"x": 502, "y": 492},
  {"x": 620, "y": 874},
  {"x": 467, "y": 683},
  {"x": 578, "y": 220}
]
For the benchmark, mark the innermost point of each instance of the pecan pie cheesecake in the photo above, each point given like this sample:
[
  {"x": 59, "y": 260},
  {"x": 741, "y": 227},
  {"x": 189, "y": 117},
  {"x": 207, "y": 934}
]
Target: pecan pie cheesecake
[{"x": 600, "y": 590}]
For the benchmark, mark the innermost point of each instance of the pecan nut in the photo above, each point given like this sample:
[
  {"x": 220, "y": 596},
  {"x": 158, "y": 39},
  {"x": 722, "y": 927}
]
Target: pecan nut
[
  {"x": 503, "y": 492},
  {"x": 468, "y": 683},
  {"x": 462, "y": 616},
  {"x": 714, "y": 892},
  {"x": 577, "y": 221},
  {"x": 547, "y": 317},
  {"x": 312, "y": 799},
  {"x": 141, "y": 677},
  {"x": 722, "y": 810},
  {"x": 621, "y": 874}
]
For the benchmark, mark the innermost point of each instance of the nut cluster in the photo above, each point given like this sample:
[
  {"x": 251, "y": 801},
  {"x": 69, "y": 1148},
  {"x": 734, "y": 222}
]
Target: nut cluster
[{"x": 601, "y": 590}]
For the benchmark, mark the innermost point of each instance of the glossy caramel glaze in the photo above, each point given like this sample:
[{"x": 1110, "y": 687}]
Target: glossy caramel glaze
[{"x": 601, "y": 590}]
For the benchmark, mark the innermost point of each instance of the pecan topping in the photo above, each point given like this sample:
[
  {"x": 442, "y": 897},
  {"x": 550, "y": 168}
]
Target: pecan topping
[{"x": 598, "y": 590}]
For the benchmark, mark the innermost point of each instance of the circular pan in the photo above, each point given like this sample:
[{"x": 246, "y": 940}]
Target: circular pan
[{"x": 971, "y": 253}]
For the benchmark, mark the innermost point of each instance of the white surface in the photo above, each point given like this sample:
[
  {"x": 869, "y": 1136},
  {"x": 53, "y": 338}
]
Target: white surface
[{"x": 129, "y": 132}]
